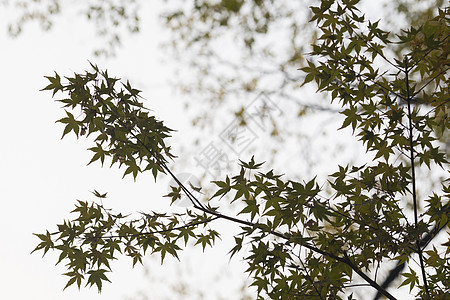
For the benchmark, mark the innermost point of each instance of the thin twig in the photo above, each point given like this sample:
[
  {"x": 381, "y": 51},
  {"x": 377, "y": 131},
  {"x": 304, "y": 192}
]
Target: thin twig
[
  {"x": 159, "y": 231},
  {"x": 430, "y": 81},
  {"x": 413, "y": 179}
]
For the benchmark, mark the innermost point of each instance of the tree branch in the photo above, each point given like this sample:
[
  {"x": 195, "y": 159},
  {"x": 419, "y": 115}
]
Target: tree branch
[{"x": 413, "y": 179}]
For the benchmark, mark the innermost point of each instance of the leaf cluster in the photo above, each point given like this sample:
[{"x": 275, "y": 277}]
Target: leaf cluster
[
  {"x": 95, "y": 236},
  {"x": 123, "y": 130}
]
